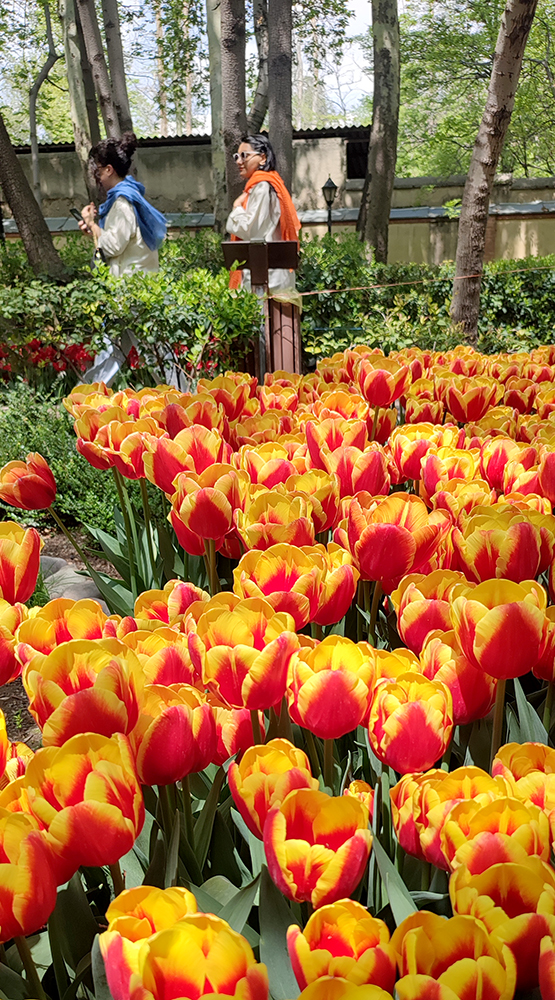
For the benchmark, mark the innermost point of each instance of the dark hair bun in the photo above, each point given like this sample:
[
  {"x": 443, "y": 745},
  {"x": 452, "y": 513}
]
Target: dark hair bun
[{"x": 128, "y": 144}]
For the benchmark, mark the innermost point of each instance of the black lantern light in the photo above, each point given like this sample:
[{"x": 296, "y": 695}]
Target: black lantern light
[{"x": 329, "y": 191}]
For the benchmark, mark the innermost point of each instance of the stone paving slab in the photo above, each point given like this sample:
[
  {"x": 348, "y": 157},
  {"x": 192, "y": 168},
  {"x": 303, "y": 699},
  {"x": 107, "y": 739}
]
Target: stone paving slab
[{"x": 62, "y": 580}]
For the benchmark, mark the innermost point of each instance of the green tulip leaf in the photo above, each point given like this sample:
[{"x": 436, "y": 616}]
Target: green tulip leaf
[
  {"x": 532, "y": 729},
  {"x": 402, "y": 903},
  {"x": 275, "y": 916},
  {"x": 237, "y": 910}
]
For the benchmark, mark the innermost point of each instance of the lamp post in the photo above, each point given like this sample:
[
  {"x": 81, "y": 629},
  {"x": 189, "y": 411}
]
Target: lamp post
[{"x": 329, "y": 191}]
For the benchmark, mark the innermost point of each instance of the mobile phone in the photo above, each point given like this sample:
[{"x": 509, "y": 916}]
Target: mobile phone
[{"x": 76, "y": 214}]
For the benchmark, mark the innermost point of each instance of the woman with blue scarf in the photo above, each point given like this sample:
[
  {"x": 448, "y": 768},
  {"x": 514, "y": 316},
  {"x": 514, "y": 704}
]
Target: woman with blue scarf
[{"x": 130, "y": 229}]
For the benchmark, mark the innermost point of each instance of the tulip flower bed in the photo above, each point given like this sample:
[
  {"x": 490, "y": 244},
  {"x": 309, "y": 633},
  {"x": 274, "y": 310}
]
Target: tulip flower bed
[{"x": 306, "y": 750}]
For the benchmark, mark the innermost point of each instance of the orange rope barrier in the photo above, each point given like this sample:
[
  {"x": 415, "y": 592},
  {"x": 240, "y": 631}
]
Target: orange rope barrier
[{"x": 420, "y": 281}]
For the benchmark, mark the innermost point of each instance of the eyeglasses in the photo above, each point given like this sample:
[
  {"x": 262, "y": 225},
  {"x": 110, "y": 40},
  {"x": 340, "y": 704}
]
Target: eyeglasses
[{"x": 244, "y": 155}]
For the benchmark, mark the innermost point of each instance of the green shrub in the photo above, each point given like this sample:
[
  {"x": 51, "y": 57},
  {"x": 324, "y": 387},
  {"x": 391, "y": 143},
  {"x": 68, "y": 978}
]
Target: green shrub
[{"x": 31, "y": 421}]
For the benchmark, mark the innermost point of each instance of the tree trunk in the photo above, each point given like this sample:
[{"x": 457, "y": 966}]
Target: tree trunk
[
  {"x": 51, "y": 58},
  {"x": 234, "y": 116},
  {"x": 257, "y": 113},
  {"x": 507, "y": 62},
  {"x": 114, "y": 48},
  {"x": 213, "y": 25},
  {"x": 77, "y": 98},
  {"x": 160, "y": 75},
  {"x": 280, "y": 30},
  {"x": 375, "y": 208},
  {"x": 43, "y": 257},
  {"x": 97, "y": 62},
  {"x": 88, "y": 84}
]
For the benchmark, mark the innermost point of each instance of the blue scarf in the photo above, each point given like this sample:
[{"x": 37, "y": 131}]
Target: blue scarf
[{"x": 151, "y": 222}]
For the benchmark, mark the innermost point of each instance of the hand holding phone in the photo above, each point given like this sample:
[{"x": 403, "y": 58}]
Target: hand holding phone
[{"x": 76, "y": 214}]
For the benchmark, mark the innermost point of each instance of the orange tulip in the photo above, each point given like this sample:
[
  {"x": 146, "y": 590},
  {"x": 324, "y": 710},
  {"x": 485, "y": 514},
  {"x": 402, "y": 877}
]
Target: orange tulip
[
  {"x": 323, "y": 489},
  {"x": 264, "y": 777},
  {"x": 411, "y": 722},
  {"x": 360, "y": 470},
  {"x": 243, "y": 650},
  {"x": 11, "y": 616},
  {"x": 29, "y": 485},
  {"x": 423, "y": 410},
  {"x": 220, "y": 962},
  {"x": 317, "y": 846},
  {"x": 234, "y": 732},
  {"x": 408, "y": 446},
  {"x": 364, "y": 792},
  {"x": 342, "y": 940},
  {"x": 328, "y": 988},
  {"x": 546, "y": 969},
  {"x": 469, "y": 398},
  {"x": 516, "y": 904},
  {"x": 19, "y": 561},
  {"x": 164, "y": 656},
  {"x": 84, "y": 686},
  {"x": 458, "y": 497},
  {"x": 499, "y": 626}
]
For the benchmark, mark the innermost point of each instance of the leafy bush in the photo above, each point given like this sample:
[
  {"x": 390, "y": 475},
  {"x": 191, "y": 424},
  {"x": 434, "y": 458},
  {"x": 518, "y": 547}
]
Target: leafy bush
[
  {"x": 32, "y": 421},
  {"x": 191, "y": 318},
  {"x": 411, "y": 306}
]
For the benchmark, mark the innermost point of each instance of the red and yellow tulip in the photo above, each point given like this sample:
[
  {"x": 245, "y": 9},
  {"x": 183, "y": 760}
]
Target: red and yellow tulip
[
  {"x": 175, "y": 734},
  {"x": 516, "y": 904},
  {"x": 317, "y": 846},
  {"x": 328, "y": 688},
  {"x": 499, "y": 626},
  {"x": 243, "y": 650},
  {"x": 29, "y": 485},
  {"x": 411, "y": 722},
  {"x": 19, "y": 561},
  {"x": 86, "y": 685},
  {"x": 343, "y": 941},
  {"x": 264, "y": 777}
]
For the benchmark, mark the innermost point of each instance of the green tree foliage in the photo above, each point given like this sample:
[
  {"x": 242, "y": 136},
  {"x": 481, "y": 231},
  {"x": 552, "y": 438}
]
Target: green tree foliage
[{"x": 446, "y": 60}]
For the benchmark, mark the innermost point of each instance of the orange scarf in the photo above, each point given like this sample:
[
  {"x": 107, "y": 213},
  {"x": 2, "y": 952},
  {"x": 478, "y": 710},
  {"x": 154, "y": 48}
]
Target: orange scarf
[{"x": 288, "y": 220}]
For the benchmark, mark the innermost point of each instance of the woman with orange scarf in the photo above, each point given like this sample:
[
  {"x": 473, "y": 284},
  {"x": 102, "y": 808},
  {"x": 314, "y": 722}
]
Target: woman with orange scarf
[{"x": 264, "y": 210}]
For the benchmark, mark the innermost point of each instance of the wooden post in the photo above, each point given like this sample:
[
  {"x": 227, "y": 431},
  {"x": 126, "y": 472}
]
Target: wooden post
[{"x": 279, "y": 345}]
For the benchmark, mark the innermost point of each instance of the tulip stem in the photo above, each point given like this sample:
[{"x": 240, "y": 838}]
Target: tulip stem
[
  {"x": 425, "y": 876},
  {"x": 312, "y": 753},
  {"x": 328, "y": 764},
  {"x": 117, "y": 878},
  {"x": 210, "y": 546},
  {"x": 165, "y": 809},
  {"x": 188, "y": 811},
  {"x": 374, "y": 609},
  {"x": 548, "y": 707},
  {"x": 128, "y": 537},
  {"x": 71, "y": 539},
  {"x": 256, "y": 731},
  {"x": 30, "y": 968},
  {"x": 498, "y": 715},
  {"x": 374, "y": 423},
  {"x": 317, "y": 632},
  {"x": 148, "y": 526}
]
